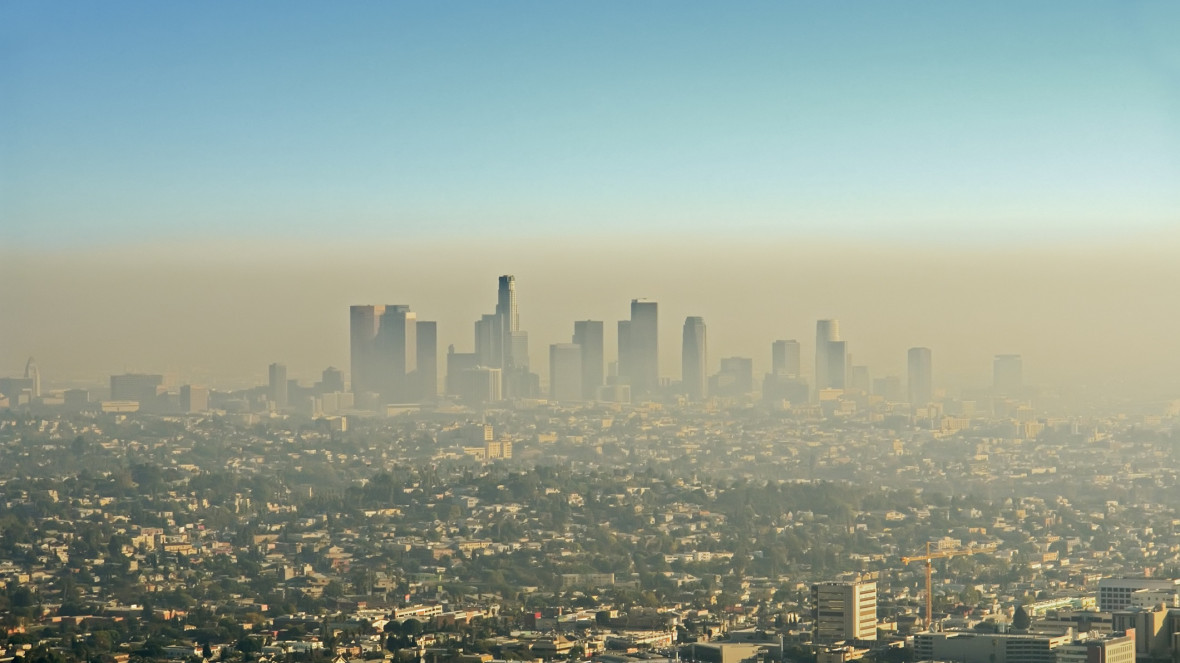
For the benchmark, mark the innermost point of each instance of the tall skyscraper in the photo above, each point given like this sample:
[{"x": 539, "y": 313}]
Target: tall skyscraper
[
  {"x": 623, "y": 365},
  {"x": 1008, "y": 375},
  {"x": 565, "y": 372},
  {"x": 642, "y": 362},
  {"x": 277, "y": 391},
  {"x": 838, "y": 367},
  {"x": 844, "y": 611},
  {"x": 500, "y": 343},
  {"x": 827, "y": 333},
  {"x": 920, "y": 375},
  {"x": 509, "y": 319},
  {"x": 427, "y": 349},
  {"x": 693, "y": 358},
  {"x": 784, "y": 358},
  {"x": 34, "y": 374},
  {"x": 588, "y": 334},
  {"x": 363, "y": 324},
  {"x": 397, "y": 353}
]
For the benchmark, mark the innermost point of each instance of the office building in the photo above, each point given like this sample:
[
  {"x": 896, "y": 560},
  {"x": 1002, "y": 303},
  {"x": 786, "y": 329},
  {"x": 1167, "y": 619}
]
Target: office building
[
  {"x": 784, "y": 359},
  {"x": 277, "y": 386},
  {"x": 920, "y": 376},
  {"x": 983, "y": 647},
  {"x": 735, "y": 379},
  {"x": 457, "y": 362},
  {"x": 588, "y": 334},
  {"x": 34, "y": 374},
  {"x": 396, "y": 354},
  {"x": 844, "y": 611},
  {"x": 1008, "y": 375},
  {"x": 1099, "y": 648},
  {"x": 625, "y": 360},
  {"x": 479, "y": 386},
  {"x": 332, "y": 380},
  {"x": 830, "y": 361},
  {"x": 194, "y": 398},
  {"x": 508, "y": 316},
  {"x": 138, "y": 387},
  {"x": 693, "y": 359},
  {"x": 427, "y": 361},
  {"x": 640, "y": 365},
  {"x": 1118, "y": 593},
  {"x": 363, "y": 324},
  {"x": 565, "y": 372}
]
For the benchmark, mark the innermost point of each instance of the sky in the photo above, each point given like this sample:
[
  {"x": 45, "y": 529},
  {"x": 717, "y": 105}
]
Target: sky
[{"x": 371, "y": 151}]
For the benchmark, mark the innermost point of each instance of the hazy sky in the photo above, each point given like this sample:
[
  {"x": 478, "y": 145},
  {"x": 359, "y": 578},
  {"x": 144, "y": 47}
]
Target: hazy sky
[{"x": 169, "y": 171}]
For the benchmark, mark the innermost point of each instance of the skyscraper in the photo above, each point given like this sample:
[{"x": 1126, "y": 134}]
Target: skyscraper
[
  {"x": 396, "y": 349},
  {"x": 1008, "y": 375},
  {"x": 588, "y": 334},
  {"x": 642, "y": 365},
  {"x": 920, "y": 375},
  {"x": 827, "y": 332},
  {"x": 565, "y": 372},
  {"x": 427, "y": 349},
  {"x": 837, "y": 373},
  {"x": 363, "y": 324},
  {"x": 784, "y": 358},
  {"x": 693, "y": 358},
  {"x": 509, "y": 319},
  {"x": 277, "y": 392}
]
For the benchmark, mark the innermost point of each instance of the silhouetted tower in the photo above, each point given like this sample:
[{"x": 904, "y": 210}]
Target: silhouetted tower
[{"x": 920, "y": 376}]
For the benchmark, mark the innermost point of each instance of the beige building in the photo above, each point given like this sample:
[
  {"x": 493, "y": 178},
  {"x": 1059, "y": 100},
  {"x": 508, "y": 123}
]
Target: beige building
[{"x": 844, "y": 611}]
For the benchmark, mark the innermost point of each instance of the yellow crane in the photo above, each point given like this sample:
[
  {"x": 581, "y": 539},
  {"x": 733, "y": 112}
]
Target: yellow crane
[{"x": 943, "y": 553}]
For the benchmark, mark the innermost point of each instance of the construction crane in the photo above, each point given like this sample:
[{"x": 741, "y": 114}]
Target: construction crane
[{"x": 944, "y": 553}]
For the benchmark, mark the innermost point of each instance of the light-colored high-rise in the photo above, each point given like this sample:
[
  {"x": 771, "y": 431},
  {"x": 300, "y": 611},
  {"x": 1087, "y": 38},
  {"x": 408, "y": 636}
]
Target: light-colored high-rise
[
  {"x": 844, "y": 611},
  {"x": 641, "y": 364},
  {"x": 396, "y": 349},
  {"x": 277, "y": 393},
  {"x": 784, "y": 358},
  {"x": 363, "y": 324},
  {"x": 920, "y": 376},
  {"x": 588, "y": 334},
  {"x": 565, "y": 372},
  {"x": 1008, "y": 375},
  {"x": 693, "y": 358},
  {"x": 829, "y": 359}
]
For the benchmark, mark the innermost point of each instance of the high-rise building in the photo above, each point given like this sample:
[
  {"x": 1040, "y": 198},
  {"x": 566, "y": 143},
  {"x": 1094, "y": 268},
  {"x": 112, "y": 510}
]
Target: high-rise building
[
  {"x": 624, "y": 362},
  {"x": 693, "y": 358},
  {"x": 194, "y": 398},
  {"x": 487, "y": 351},
  {"x": 364, "y": 322},
  {"x": 565, "y": 372},
  {"x": 920, "y": 376},
  {"x": 1008, "y": 375},
  {"x": 844, "y": 611},
  {"x": 784, "y": 358},
  {"x": 397, "y": 353},
  {"x": 735, "y": 379},
  {"x": 277, "y": 386},
  {"x": 588, "y": 334},
  {"x": 34, "y": 374},
  {"x": 479, "y": 385},
  {"x": 509, "y": 319},
  {"x": 457, "y": 362},
  {"x": 427, "y": 349},
  {"x": 641, "y": 366},
  {"x": 827, "y": 333},
  {"x": 332, "y": 380},
  {"x": 838, "y": 367},
  {"x": 138, "y": 387}
]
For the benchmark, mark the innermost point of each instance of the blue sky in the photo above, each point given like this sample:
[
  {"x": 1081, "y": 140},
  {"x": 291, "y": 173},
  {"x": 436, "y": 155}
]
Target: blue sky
[{"x": 902, "y": 121}]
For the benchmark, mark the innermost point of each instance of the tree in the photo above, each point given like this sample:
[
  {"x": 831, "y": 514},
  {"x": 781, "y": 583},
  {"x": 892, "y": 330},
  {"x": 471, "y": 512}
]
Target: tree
[{"x": 1020, "y": 619}]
